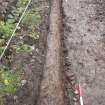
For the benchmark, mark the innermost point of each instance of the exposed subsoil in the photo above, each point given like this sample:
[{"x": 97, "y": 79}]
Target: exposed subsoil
[
  {"x": 84, "y": 40},
  {"x": 51, "y": 91}
]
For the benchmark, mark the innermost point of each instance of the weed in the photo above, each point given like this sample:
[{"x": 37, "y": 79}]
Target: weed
[
  {"x": 34, "y": 35},
  {"x": 21, "y": 3},
  {"x": 9, "y": 81},
  {"x": 23, "y": 48},
  {"x": 5, "y": 30},
  {"x": 32, "y": 19},
  {"x": 1, "y": 50}
]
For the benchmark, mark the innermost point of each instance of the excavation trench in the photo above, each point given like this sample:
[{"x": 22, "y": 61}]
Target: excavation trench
[{"x": 51, "y": 91}]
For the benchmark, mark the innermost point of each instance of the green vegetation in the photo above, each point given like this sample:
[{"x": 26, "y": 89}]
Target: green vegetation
[
  {"x": 21, "y": 3},
  {"x": 5, "y": 30},
  {"x": 5, "y": 33},
  {"x": 23, "y": 48},
  {"x": 9, "y": 81},
  {"x": 1, "y": 50},
  {"x": 32, "y": 18}
]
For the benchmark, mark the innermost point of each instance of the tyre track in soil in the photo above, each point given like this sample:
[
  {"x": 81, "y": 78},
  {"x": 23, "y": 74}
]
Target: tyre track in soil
[{"x": 85, "y": 43}]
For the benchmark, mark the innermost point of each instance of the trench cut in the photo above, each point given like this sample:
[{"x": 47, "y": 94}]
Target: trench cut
[{"x": 51, "y": 90}]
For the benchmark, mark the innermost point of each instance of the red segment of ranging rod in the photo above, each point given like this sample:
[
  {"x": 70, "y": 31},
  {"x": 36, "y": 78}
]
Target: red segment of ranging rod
[
  {"x": 80, "y": 93},
  {"x": 79, "y": 89}
]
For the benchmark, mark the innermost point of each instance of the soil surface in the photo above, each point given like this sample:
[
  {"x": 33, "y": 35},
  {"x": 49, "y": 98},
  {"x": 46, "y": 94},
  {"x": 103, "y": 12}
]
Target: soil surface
[{"x": 85, "y": 42}]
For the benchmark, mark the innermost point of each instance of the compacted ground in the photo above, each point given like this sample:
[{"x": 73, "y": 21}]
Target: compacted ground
[{"x": 85, "y": 42}]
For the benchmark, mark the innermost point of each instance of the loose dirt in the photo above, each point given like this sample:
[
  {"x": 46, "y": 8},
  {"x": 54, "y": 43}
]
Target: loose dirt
[
  {"x": 51, "y": 91},
  {"x": 85, "y": 43}
]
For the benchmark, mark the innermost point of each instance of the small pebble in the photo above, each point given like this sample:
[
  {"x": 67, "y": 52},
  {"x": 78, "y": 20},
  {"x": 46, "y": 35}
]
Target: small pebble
[
  {"x": 32, "y": 60},
  {"x": 21, "y": 37},
  {"x": 37, "y": 50},
  {"x": 75, "y": 99},
  {"x": 34, "y": 57},
  {"x": 23, "y": 82},
  {"x": 76, "y": 92},
  {"x": 31, "y": 53},
  {"x": 15, "y": 97},
  {"x": 73, "y": 78},
  {"x": 32, "y": 47}
]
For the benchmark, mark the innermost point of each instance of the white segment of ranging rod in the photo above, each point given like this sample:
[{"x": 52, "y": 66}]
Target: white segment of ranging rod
[
  {"x": 81, "y": 100},
  {"x": 13, "y": 34}
]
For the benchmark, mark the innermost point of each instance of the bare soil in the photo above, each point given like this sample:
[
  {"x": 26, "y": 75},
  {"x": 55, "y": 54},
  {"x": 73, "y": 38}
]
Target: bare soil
[
  {"x": 51, "y": 91},
  {"x": 84, "y": 40}
]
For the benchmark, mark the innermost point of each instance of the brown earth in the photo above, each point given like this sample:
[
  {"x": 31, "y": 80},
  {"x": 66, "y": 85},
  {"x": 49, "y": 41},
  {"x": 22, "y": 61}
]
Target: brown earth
[
  {"x": 51, "y": 92},
  {"x": 84, "y": 39}
]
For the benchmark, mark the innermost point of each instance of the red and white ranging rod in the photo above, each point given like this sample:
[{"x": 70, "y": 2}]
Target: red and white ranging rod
[{"x": 79, "y": 89}]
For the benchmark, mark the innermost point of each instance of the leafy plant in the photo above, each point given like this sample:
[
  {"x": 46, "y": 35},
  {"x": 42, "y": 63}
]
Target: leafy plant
[
  {"x": 34, "y": 35},
  {"x": 9, "y": 81},
  {"x": 32, "y": 18},
  {"x": 23, "y": 48},
  {"x": 5, "y": 30},
  {"x": 1, "y": 50},
  {"x": 21, "y": 3}
]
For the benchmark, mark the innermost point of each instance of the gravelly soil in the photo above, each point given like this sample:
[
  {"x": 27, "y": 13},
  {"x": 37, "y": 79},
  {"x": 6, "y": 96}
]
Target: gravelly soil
[{"x": 85, "y": 41}]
